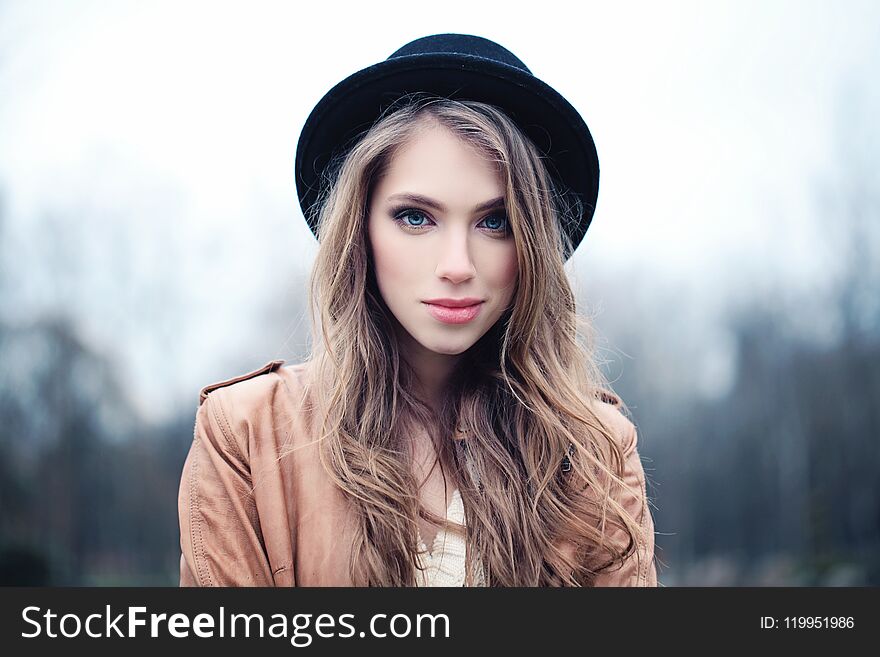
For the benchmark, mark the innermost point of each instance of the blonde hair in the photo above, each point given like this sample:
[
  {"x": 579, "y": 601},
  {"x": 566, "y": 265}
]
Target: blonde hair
[{"x": 524, "y": 392}]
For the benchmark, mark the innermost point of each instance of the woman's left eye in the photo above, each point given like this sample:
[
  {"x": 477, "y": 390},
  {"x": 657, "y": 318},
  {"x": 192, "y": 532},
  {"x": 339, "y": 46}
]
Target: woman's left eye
[{"x": 496, "y": 222}]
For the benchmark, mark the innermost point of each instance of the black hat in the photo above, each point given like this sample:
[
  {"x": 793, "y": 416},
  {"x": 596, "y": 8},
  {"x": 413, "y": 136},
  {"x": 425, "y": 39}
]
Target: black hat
[{"x": 464, "y": 67}]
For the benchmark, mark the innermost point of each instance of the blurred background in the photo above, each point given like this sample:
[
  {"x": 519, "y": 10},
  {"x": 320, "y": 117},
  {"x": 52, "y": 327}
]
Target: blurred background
[{"x": 151, "y": 243}]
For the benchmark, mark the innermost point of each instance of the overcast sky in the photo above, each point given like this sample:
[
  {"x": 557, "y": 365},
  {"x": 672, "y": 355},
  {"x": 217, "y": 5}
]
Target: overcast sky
[{"x": 156, "y": 142}]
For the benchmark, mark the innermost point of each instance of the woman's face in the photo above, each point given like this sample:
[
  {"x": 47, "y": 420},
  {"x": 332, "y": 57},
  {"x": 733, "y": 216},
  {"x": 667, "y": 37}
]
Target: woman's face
[{"x": 453, "y": 243}]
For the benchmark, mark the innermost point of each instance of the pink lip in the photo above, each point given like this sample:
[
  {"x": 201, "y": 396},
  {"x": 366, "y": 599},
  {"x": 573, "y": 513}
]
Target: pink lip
[
  {"x": 449, "y": 315},
  {"x": 454, "y": 303}
]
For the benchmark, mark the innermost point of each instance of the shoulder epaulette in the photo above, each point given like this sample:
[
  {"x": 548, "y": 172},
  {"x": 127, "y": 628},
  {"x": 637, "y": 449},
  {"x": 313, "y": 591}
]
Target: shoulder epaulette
[
  {"x": 608, "y": 397},
  {"x": 271, "y": 366},
  {"x": 605, "y": 396}
]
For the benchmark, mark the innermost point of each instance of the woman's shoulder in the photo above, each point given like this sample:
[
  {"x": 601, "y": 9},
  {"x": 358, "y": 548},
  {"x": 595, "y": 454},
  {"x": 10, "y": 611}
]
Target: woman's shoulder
[
  {"x": 234, "y": 381},
  {"x": 610, "y": 410},
  {"x": 268, "y": 395},
  {"x": 254, "y": 386}
]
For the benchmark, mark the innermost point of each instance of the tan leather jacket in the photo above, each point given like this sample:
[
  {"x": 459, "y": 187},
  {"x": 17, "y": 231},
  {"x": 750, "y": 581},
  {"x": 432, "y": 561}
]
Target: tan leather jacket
[{"x": 248, "y": 519}]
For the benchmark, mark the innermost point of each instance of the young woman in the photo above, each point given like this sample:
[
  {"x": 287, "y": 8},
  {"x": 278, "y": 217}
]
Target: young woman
[{"x": 451, "y": 426}]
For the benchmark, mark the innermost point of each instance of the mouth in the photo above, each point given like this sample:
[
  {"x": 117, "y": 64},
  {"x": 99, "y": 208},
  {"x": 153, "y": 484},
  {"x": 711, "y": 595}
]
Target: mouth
[{"x": 454, "y": 314}]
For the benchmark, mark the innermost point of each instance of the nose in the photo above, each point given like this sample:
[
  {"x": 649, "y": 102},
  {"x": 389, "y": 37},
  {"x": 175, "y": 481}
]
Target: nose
[{"x": 454, "y": 261}]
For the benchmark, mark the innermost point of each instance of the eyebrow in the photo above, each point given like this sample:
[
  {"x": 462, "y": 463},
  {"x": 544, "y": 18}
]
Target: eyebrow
[{"x": 437, "y": 205}]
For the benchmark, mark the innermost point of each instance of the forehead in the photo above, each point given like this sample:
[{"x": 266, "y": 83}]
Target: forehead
[{"x": 437, "y": 157}]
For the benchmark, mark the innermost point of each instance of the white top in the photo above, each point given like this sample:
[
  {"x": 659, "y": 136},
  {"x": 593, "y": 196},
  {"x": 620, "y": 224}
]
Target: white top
[{"x": 444, "y": 564}]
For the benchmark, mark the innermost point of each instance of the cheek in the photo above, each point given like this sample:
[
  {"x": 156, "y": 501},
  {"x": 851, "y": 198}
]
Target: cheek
[
  {"x": 390, "y": 261},
  {"x": 504, "y": 274}
]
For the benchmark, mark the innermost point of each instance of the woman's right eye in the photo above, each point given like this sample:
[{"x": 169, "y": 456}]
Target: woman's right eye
[{"x": 411, "y": 218}]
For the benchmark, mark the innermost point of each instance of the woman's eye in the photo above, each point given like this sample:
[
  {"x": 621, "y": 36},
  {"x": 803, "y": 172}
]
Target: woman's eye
[
  {"x": 496, "y": 222},
  {"x": 411, "y": 219}
]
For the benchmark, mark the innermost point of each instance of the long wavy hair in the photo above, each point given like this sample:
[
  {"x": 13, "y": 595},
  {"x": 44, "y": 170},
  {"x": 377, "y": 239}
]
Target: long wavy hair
[{"x": 520, "y": 402}]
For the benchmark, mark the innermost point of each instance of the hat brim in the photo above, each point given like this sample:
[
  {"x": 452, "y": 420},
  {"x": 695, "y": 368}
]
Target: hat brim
[{"x": 353, "y": 105}]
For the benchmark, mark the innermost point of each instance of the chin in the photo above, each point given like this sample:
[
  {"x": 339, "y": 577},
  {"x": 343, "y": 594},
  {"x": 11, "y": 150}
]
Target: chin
[
  {"x": 453, "y": 352},
  {"x": 448, "y": 348}
]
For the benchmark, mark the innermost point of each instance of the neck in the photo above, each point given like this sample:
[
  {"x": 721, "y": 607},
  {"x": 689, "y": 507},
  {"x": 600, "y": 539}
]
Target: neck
[{"x": 433, "y": 371}]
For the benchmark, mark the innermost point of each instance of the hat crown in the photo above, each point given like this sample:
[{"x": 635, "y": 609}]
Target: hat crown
[{"x": 460, "y": 44}]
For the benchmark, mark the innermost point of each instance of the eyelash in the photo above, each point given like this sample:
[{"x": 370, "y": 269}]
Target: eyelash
[{"x": 400, "y": 215}]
